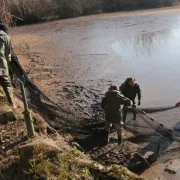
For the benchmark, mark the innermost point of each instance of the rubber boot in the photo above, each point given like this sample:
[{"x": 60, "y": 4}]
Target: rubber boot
[
  {"x": 120, "y": 135},
  {"x": 106, "y": 137},
  {"x": 119, "y": 140},
  {"x": 134, "y": 115}
]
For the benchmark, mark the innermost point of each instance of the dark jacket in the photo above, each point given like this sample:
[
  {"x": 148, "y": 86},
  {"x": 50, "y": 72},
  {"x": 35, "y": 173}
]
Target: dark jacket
[
  {"x": 111, "y": 103},
  {"x": 130, "y": 91}
]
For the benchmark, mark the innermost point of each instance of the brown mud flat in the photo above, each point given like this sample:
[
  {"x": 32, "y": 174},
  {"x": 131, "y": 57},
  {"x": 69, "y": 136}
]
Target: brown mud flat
[{"x": 70, "y": 61}]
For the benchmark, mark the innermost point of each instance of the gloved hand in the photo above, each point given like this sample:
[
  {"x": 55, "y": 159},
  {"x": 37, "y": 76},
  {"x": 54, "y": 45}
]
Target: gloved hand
[
  {"x": 139, "y": 103},
  {"x": 177, "y": 104},
  {"x": 134, "y": 106}
]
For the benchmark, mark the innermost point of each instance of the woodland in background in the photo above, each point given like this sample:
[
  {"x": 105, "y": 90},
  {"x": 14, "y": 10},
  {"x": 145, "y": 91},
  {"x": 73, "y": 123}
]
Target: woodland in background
[{"x": 31, "y": 11}]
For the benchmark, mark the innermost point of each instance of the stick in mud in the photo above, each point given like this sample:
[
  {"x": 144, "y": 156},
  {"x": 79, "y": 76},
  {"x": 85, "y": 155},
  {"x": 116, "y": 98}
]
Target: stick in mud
[{"x": 27, "y": 112}]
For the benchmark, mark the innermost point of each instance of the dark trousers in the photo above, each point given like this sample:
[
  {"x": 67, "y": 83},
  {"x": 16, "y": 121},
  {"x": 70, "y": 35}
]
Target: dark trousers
[
  {"x": 125, "y": 110},
  {"x": 6, "y": 85}
]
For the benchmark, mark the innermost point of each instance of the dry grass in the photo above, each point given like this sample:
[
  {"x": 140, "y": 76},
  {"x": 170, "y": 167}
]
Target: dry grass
[
  {"x": 59, "y": 166},
  {"x": 75, "y": 165},
  {"x": 5, "y": 13}
]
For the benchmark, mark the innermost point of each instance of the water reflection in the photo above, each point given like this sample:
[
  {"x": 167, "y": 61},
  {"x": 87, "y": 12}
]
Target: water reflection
[
  {"x": 148, "y": 43},
  {"x": 144, "y": 44}
]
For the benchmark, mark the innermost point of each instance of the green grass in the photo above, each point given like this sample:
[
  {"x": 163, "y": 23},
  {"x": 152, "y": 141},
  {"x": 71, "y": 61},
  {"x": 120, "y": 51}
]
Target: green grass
[{"x": 64, "y": 166}]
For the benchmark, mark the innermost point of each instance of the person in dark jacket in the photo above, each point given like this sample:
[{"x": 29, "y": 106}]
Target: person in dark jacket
[
  {"x": 111, "y": 104},
  {"x": 130, "y": 89}
]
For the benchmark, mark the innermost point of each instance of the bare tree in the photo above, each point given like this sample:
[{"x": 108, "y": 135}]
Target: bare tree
[{"x": 5, "y": 12}]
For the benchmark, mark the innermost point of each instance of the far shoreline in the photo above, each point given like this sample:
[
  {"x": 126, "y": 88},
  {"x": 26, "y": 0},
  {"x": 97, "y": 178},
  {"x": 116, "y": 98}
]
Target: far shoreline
[{"x": 103, "y": 15}]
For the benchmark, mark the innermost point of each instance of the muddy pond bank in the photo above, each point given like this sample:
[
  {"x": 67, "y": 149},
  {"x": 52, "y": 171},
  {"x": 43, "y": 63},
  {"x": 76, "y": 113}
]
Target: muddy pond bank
[{"x": 73, "y": 61}]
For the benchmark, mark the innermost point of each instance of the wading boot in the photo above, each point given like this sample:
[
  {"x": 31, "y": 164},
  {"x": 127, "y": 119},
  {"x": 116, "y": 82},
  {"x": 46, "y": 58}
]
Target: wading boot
[
  {"x": 119, "y": 140},
  {"x": 134, "y": 115},
  {"x": 106, "y": 137}
]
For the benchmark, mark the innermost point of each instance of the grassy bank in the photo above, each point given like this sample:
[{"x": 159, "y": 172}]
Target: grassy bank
[{"x": 31, "y": 11}]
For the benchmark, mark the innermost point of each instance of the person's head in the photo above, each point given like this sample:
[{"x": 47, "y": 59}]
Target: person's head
[
  {"x": 4, "y": 27},
  {"x": 131, "y": 81},
  {"x": 113, "y": 87}
]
